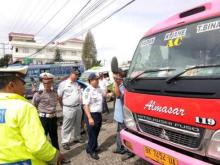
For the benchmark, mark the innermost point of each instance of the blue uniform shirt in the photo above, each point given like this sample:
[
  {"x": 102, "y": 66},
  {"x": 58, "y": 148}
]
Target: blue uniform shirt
[{"x": 118, "y": 113}]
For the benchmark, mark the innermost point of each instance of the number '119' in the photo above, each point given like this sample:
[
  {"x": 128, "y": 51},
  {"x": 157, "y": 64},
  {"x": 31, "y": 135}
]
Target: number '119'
[{"x": 205, "y": 121}]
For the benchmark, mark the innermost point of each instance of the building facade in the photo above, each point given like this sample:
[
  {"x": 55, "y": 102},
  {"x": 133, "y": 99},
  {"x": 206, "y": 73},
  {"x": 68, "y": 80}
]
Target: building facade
[{"x": 24, "y": 47}]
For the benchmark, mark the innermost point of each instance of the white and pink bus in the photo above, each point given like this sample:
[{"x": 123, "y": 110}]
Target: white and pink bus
[{"x": 172, "y": 96}]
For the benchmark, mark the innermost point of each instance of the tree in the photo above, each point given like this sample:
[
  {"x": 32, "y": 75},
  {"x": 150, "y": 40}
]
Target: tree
[
  {"x": 27, "y": 60},
  {"x": 58, "y": 57},
  {"x": 4, "y": 61},
  {"x": 89, "y": 52}
]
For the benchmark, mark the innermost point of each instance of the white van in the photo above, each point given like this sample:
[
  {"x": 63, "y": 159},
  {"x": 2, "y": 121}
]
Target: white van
[
  {"x": 98, "y": 69},
  {"x": 107, "y": 74}
]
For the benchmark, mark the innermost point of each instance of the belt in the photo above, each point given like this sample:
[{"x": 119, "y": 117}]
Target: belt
[
  {"x": 71, "y": 105},
  {"x": 47, "y": 115}
]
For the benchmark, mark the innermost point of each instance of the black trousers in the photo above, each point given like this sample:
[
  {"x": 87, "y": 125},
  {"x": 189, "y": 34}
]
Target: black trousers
[
  {"x": 105, "y": 105},
  {"x": 50, "y": 126},
  {"x": 93, "y": 132}
]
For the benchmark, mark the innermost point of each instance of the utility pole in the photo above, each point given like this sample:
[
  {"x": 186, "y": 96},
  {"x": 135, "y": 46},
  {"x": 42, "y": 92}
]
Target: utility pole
[{"x": 3, "y": 47}]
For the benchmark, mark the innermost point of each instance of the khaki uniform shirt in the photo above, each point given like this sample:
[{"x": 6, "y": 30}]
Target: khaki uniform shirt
[{"x": 45, "y": 102}]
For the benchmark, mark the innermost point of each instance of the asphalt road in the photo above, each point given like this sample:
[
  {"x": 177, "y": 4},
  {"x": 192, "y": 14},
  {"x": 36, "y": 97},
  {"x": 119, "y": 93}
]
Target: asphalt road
[{"x": 78, "y": 155}]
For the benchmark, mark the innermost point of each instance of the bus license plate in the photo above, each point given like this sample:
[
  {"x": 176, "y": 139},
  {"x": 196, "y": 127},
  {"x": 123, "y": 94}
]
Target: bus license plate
[{"x": 159, "y": 156}]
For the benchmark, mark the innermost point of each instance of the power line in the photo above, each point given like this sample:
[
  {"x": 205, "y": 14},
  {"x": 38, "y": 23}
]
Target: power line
[
  {"x": 68, "y": 26},
  {"x": 90, "y": 15},
  {"x": 83, "y": 15},
  {"x": 103, "y": 19},
  {"x": 71, "y": 23},
  {"x": 26, "y": 13},
  {"x": 52, "y": 17},
  {"x": 17, "y": 16},
  {"x": 62, "y": 30},
  {"x": 74, "y": 19},
  {"x": 40, "y": 14},
  {"x": 37, "y": 9}
]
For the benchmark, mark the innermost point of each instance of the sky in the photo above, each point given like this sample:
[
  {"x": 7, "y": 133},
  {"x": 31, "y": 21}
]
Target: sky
[{"x": 117, "y": 36}]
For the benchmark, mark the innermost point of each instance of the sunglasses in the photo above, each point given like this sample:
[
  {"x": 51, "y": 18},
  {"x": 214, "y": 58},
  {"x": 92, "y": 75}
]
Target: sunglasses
[{"x": 21, "y": 79}]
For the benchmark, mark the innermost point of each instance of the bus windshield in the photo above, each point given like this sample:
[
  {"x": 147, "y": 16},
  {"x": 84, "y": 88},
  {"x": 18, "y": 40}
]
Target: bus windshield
[{"x": 175, "y": 50}]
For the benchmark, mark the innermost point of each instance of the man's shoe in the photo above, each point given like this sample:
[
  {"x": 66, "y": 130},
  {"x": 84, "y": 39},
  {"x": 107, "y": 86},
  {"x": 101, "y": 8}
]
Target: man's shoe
[
  {"x": 66, "y": 147},
  {"x": 127, "y": 156},
  {"x": 65, "y": 161},
  {"x": 79, "y": 141},
  {"x": 97, "y": 149},
  {"x": 119, "y": 151},
  {"x": 94, "y": 156},
  {"x": 82, "y": 132}
]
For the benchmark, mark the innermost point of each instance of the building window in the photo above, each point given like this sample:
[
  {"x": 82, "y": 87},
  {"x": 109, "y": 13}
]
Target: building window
[
  {"x": 73, "y": 52},
  {"x": 79, "y": 53},
  {"x": 63, "y": 52},
  {"x": 25, "y": 50}
]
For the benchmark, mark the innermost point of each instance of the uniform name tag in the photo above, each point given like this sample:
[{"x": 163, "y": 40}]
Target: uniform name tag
[
  {"x": 2, "y": 115},
  {"x": 25, "y": 162}
]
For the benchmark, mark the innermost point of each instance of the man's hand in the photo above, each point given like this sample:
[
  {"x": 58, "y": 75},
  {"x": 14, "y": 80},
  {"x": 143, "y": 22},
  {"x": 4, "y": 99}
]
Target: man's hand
[
  {"x": 60, "y": 158},
  {"x": 91, "y": 121}
]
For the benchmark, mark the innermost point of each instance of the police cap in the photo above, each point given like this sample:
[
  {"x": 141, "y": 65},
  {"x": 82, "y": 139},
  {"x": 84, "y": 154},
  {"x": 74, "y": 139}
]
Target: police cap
[
  {"x": 47, "y": 77},
  {"x": 20, "y": 71},
  {"x": 92, "y": 76}
]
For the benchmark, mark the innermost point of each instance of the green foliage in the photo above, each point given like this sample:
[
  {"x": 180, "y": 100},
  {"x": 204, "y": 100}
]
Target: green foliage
[
  {"x": 27, "y": 61},
  {"x": 89, "y": 52},
  {"x": 4, "y": 61},
  {"x": 58, "y": 57},
  {"x": 97, "y": 63}
]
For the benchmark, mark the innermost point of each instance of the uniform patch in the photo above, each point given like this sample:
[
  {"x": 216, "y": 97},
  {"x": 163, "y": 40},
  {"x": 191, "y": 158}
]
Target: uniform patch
[
  {"x": 2, "y": 115},
  {"x": 26, "y": 162},
  {"x": 86, "y": 96},
  {"x": 87, "y": 89}
]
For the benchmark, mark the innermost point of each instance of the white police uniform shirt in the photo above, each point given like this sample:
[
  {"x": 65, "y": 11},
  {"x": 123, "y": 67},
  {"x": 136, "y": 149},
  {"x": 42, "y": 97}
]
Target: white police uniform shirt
[
  {"x": 70, "y": 93},
  {"x": 93, "y": 97}
]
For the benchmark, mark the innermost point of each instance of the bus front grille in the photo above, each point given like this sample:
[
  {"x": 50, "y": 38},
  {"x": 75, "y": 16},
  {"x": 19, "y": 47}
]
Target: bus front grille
[{"x": 176, "y": 133}]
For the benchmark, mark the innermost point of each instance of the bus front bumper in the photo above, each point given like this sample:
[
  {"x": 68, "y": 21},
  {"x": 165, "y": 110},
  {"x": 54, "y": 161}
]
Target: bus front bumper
[{"x": 154, "y": 153}]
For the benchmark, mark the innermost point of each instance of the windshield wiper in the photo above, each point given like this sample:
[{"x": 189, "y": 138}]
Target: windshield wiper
[
  {"x": 169, "y": 80},
  {"x": 149, "y": 71}
]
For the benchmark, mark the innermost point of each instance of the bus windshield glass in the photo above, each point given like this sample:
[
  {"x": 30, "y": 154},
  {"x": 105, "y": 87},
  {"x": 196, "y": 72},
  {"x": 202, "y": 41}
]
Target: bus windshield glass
[{"x": 175, "y": 50}]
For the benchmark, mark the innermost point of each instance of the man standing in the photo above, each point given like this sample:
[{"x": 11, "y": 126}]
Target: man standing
[
  {"x": 92, "y": 101},
  {"x": 69, "y": 93},
  {"x": 46, "y": 102},
  {"x": 118, "y": 113},
  {"x": 22, "y": 136}
]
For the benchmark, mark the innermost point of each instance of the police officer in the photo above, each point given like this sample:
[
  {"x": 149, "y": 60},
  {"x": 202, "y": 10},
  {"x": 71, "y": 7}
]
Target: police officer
[
  {"x": 22, "y": 136},
  {"x": 69, "y": 93},
  {"x": 46, "y": 102},
  {"x": 92, "y": 101}
]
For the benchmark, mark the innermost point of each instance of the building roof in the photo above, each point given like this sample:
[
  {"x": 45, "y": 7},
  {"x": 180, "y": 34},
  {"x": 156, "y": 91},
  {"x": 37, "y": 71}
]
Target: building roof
[{"x": 20, "y": 35}]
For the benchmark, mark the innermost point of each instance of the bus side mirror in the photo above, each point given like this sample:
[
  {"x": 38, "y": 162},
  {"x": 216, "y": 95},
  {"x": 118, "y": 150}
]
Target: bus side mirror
[{"x": 114, "y": 65}]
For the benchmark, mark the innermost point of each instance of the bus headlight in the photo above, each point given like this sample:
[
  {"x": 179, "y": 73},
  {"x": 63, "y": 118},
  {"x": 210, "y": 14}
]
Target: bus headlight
[
  {"x": 214, "y": 146},
  {"x": 129, "y": 119}
]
